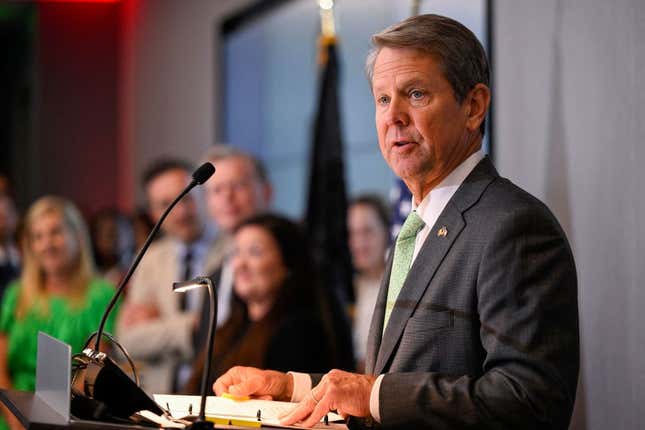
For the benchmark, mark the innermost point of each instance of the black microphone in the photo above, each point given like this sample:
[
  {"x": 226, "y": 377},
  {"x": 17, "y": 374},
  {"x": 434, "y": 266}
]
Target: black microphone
[
  {"x": 203, "y": 173},
  {"x": 100, "y": 378}
]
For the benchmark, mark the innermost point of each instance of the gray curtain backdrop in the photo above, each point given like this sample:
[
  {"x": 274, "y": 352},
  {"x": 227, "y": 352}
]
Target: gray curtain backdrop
[{"x": 570, "y": 128}]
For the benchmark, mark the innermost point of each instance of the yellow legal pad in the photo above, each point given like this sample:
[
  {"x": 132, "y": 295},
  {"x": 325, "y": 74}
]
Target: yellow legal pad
[
  {"x": 234, "y": 397},
  {"x": 234, "y": 421}
]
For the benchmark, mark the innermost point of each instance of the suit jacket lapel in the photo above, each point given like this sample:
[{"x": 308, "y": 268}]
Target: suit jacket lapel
[
  {"x": 376, "y": 327},
  {"x": 421, "y": 273},
  {"x": 423, "y": 269}
]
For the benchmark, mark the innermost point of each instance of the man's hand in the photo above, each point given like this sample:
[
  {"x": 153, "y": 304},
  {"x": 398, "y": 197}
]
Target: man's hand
[
  {"x": 256, "y": 383},
  {"x": 134, "y": 313},
  {"x": 343, "y": 392}
]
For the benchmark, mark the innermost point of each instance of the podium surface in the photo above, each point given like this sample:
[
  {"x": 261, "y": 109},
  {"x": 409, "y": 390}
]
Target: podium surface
[{"x": 35, "y": 414}]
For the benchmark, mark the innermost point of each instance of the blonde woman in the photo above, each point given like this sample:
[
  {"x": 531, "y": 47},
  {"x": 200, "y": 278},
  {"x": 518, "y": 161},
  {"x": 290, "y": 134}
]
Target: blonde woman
[{"x": 57, "y": 293}]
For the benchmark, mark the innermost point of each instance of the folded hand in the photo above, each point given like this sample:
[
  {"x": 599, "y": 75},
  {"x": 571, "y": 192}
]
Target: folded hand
[
  {"x": 256, "y": 383},
  {"x": 343, "y": 392}
]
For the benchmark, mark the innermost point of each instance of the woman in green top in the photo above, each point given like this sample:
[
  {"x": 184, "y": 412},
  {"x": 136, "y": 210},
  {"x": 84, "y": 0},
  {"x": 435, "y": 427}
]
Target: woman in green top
[{"x": 57, "y": 293}]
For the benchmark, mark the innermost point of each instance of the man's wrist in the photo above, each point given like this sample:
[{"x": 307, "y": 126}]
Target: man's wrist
[
  {"x": 288, "y": 391},
  {"x": 301, "y": 386},
  {"x": 374, "y": 399}
]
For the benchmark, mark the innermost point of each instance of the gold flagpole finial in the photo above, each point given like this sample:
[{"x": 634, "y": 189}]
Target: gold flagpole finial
[
  {"x": 327, "y": 24},
  {"x": 327, "y": 28},
  {"x": 414, "y": 7}
]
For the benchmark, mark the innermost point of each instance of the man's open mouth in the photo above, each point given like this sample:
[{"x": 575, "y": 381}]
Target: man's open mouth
[{"x": 402, "y": 143}]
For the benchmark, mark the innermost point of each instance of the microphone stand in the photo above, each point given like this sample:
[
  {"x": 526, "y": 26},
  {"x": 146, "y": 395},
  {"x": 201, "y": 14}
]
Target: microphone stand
[
  {"x": 136, "y": 261},
  {"x": 97, "y": 382},
  {"x": 201, "y": 423}
]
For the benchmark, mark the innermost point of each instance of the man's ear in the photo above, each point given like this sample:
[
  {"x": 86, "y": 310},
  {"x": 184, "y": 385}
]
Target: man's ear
[{"x": 477, "y": 102}]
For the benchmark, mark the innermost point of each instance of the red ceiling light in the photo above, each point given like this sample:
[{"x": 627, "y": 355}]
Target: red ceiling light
[{"x": 78, "y": 1}]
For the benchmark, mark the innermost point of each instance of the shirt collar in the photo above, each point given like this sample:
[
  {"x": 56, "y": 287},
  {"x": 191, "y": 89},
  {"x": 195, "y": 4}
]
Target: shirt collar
[{"x": 436, "y": 200}]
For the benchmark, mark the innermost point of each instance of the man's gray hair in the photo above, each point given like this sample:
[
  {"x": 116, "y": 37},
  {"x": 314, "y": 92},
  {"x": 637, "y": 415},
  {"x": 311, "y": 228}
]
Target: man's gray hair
[
  {"x": 222, "y": 151},
  {"x": 461, "y": 57}
]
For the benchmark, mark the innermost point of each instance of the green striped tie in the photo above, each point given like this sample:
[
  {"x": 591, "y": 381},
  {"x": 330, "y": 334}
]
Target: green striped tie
[{"x": 402, "y": 261}]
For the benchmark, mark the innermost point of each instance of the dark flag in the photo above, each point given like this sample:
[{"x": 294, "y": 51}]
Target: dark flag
[
  {"x": 326, "y": 222},
  {"x": 327, "y": 206}
]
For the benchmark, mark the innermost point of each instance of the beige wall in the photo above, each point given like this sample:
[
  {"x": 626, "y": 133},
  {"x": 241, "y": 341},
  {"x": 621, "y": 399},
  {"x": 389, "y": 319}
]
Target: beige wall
[
  {"x": 168, "y": 83},
  {"x": 570, "y": 128}
]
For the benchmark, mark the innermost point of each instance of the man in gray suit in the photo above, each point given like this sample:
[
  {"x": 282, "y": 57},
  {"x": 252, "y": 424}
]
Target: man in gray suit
[{"x": 476, "y": 325}]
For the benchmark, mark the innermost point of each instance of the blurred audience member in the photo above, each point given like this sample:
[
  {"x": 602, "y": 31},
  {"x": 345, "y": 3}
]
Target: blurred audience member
[
  {"x": 57, "y": 292},
  {"x": 239, "y": 189},
  {"x": 156, "y": 325},
  {"x": 112, "y": 242},
  {"x": 281, "y": 320},
  {"x": 368, "y": 223},
  {"x": 9, "y": 255}
]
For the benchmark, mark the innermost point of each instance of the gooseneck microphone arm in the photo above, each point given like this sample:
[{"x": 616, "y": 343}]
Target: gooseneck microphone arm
[
  {"x": 200, "y": 176},
  {"x": 206, "y": 373},
  {"x": 182, "y": 287}
]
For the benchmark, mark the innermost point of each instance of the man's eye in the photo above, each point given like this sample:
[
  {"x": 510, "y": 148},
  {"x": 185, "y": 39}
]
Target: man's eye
[
  {"x": 382, "y": 100},
  {"x": 416, "y": 94}
]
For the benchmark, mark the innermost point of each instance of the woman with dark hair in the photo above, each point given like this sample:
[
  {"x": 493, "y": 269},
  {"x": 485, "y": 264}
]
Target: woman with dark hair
[
  {"x": 280, "y": 319},
  {"x": 112, "y": 243}
]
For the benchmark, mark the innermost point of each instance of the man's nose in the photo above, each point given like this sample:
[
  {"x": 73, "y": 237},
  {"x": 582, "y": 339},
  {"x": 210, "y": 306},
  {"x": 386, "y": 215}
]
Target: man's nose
[
  {"x": 226, "y": 192},
  {"x": 397, "y": 112}
]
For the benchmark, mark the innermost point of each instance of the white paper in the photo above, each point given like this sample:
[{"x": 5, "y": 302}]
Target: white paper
[
  {"x": 162, "y": 421},
  {"x": 222, "y": 407}
]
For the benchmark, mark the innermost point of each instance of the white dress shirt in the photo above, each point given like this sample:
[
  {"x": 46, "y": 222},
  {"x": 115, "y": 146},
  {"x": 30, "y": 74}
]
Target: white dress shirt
[{"x": 366, "y": 291}]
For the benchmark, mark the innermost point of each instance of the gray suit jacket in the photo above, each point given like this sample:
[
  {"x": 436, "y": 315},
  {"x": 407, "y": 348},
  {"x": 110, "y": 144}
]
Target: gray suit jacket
[{"x": 484, "y": 333}]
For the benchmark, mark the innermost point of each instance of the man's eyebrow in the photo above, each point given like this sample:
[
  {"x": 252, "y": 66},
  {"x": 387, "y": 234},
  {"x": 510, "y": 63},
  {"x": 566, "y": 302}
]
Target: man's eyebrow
[
  {"x": 415, "y": 81},
  {"x": 404, "y": 85}
]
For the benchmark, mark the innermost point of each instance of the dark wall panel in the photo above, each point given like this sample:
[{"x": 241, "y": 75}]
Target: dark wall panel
[{"x": 78, "y": 69}]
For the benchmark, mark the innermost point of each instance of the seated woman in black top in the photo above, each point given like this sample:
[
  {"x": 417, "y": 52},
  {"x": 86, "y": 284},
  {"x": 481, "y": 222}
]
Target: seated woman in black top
[{"x": 280, "y": 320}]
